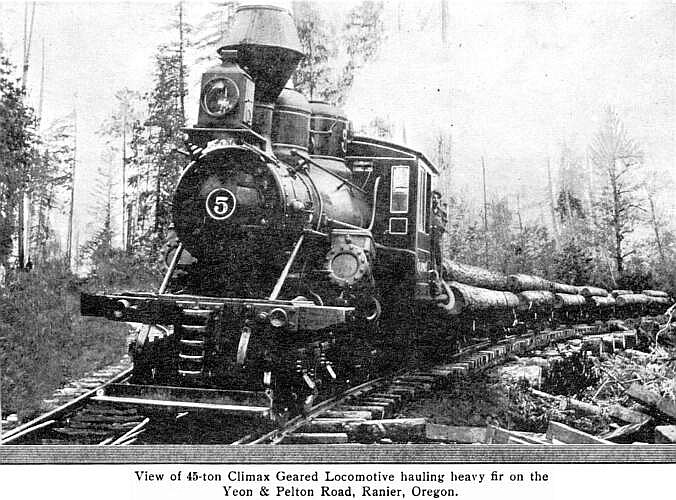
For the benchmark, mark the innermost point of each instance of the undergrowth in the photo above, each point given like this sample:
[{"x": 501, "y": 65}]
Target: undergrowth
[{"x": 45, "y": 342}]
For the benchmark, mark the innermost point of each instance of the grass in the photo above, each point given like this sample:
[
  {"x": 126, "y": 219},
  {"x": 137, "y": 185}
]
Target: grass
[{"x": 45, "y": 342}]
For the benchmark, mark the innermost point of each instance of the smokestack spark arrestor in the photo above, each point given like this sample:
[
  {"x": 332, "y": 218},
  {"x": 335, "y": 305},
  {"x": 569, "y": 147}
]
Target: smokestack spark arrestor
[{"x": 268, "y": 47}]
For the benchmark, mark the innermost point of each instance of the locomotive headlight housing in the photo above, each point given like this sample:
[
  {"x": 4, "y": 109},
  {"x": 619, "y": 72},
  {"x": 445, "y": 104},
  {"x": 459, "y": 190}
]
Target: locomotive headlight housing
[{"x": 219, "y": 97}]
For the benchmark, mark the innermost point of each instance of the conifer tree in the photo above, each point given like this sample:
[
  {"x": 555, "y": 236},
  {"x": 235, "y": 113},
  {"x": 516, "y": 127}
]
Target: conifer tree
[
  {"x": 617, "y": 159},
  {"x": 333, "y": 56},
  {"x": 56, "y": 175},
  {"x": 100, "y": 247},
  {"x": 118, "y": 130},
  {"x": 158, "y": 165},
  {"x": 314, "y": 77},
  {"x": 213, "y": 28},
  {"x": 362, "y": 37},
  {"x": 18, "y": 165},
  {"x": 165, "y": 120}
]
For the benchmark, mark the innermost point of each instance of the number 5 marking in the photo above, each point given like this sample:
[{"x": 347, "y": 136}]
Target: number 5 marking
[{"x": 220, "y": 204}]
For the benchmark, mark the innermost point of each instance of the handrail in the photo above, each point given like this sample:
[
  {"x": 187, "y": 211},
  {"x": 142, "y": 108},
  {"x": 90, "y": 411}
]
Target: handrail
[
  {"x": 294, "y": 152},
  {"x": 375, "y": 199}
]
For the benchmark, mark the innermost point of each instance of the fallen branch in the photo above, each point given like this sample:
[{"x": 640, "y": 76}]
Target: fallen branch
[{"x": 614, "y": 411}]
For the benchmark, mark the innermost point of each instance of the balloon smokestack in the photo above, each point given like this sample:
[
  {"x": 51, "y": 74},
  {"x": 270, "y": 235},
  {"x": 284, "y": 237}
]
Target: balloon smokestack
[{"x": 268, "y": 47}]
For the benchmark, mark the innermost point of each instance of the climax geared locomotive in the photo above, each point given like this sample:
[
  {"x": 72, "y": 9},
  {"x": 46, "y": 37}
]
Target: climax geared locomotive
[
  {"x": 304, "y": 256},
  {"x": 289, "y": 230}
]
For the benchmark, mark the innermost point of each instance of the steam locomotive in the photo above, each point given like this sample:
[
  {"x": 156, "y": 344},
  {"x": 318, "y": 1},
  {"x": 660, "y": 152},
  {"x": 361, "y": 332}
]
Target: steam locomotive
[{"x": 303, "y": 257}]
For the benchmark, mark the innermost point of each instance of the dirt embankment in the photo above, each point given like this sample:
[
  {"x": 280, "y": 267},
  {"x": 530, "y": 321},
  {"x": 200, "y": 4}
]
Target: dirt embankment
[{"x": 45, "y": 341}]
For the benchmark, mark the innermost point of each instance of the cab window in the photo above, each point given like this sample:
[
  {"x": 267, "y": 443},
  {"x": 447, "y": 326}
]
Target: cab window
[{"x": 399, "y": 189}]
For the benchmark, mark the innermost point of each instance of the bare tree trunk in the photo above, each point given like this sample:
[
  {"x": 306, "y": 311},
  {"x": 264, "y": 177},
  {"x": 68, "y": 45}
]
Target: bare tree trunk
[
  {"x": 125, "y": 232},
  {"x": 483, "y": 172},
  {"x": 42, "y": 81},
  {"x": 590, "y": 190},
  {"x": 130, "y": 229},
  {"x": 555, "y": 226},
  {"x": 24, "y": 232},
  {"x": 158, "y": 204},
  {"x": 653, "y": 219},
  {"x": 522, "y": 238},
  {"x": 69, "y": 248},
  {"x": 617, "y": 227}
]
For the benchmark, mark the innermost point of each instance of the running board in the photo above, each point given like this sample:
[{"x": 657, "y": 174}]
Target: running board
[{"x": 236, "y": 402}]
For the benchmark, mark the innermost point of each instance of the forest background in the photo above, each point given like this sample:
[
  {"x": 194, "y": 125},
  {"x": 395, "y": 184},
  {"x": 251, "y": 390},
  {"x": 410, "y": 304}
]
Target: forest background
[{"x": 552, "y": 124}]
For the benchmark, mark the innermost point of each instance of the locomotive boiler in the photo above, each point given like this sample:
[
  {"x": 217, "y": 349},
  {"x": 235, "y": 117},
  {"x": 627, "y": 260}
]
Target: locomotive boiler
[{"x": 303, "y": 256}]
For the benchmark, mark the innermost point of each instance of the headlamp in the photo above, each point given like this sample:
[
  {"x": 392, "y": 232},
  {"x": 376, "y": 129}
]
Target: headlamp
[
  {"x": 220, "y": 96},
  {"x": 278, "y": 318}
]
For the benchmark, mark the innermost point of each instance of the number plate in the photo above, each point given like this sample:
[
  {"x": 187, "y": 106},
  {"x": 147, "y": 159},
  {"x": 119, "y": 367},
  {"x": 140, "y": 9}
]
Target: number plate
[{"x": 221, "y": 204}]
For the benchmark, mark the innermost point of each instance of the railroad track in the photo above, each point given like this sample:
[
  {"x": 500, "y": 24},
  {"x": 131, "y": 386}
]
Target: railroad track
[
  {"x": 77, "y": 421},
  {"x": 337, "y": 420},
  {"x": 365, "y": 411}
]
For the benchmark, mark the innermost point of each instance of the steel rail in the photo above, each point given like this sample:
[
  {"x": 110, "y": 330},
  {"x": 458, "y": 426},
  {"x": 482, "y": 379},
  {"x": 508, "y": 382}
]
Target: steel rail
[{"x": 56, "y": 413}]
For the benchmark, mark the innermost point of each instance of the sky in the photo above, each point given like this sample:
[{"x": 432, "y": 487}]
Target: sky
[{"x": 515, "y": 82}]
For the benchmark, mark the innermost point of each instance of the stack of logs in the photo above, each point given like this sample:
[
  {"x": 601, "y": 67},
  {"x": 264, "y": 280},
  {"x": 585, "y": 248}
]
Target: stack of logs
[{"x": 475, "y": 290}]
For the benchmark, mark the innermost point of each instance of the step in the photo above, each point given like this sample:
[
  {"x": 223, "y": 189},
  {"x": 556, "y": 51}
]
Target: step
[
  {"x": 192, "y": 342},
  {"x": 192, "y": 359},
  {"x": 194, "y": 328}
]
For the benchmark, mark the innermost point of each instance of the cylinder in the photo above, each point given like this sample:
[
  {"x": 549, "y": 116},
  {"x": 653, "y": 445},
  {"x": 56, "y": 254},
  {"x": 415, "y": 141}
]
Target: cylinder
[
  {"x": 599, "y": 301},
  {"x": 592, "y": 291},
  {"x": 473, "y": 299},
  {"x": 658, "y": 301},
  {"x": 474, "y": 275},
  {"x": 523, "y": 282},
  {"x": 535, "y": 299},
  {"x": 564, "y": 288},
  {"x": 632, "y": 299},
  {"x": 568, "y": 301}
]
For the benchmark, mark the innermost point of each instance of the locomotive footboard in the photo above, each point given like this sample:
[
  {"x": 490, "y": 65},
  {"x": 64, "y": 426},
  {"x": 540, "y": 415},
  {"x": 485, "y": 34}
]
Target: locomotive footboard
[
  {"x": 257, "y": 357},
  {"x": 258, "y": 403}
]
